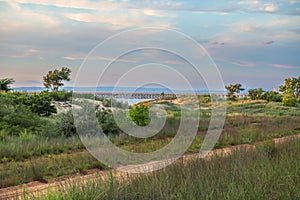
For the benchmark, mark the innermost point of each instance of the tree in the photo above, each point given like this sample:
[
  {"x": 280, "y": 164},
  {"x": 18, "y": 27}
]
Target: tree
[
  {"x": 54, "y": 79},
  {"x": 271, "y": 96},
  {"x": 255, "y": 94},
  {"x": 291, "y": 85},
  {"x": 5, "y": 84},
  {"x": 233, "y": 89}
]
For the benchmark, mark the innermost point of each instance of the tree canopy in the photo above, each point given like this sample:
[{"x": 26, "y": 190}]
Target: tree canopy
[
  {"x": 291, "y": 85},
  {"x": 5, "y": 84},
  {"x": 54, "y": 79},
  {"x": 233, "y": 89}
]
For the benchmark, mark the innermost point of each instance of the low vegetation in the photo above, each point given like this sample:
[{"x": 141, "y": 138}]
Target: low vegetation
[
  {"x": 37, "y": 143},
  {"x": 269, "y": 172}
]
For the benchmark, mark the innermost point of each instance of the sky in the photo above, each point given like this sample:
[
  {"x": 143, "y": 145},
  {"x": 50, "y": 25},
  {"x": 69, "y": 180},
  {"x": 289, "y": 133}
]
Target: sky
[{"x": 130, "y": 42}]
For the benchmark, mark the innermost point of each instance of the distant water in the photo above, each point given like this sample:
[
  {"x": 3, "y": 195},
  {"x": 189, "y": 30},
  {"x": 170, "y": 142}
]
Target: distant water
[{"x": 120, "y": 89}]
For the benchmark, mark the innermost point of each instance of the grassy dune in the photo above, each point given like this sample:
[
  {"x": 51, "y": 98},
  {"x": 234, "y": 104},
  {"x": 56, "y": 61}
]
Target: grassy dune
[
  {"x": 31, "y": 157},
  {"x": 270, "y": 172}
]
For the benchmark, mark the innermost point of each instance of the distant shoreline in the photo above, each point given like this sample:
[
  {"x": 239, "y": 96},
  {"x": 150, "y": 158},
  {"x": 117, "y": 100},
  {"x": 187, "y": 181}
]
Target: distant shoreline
[{"x": 111, "y": 89}]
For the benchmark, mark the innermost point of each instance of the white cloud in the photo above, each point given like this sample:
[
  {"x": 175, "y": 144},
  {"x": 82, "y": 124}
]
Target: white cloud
[
  {"x": 122, "y": 18},
  {"x": 97, "y": 58},
  {"x": 283, "y": 66},
  {"x": 292, "y": 2},
  {"x": 270, "y": 7}
]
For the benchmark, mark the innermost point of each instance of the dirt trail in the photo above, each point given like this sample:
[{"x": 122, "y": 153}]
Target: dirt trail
[{"x": 37, "y": 188}]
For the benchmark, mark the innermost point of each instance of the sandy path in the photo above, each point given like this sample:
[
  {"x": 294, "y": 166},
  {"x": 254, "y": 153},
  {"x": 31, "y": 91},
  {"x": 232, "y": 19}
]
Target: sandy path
[{"x": 37, "y": 188}]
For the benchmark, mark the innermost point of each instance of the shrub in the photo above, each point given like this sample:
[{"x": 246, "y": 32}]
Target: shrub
[
  {"x": 272, "y": 96},
  {"x": 62, "y": 95},
  {"x": 256, "y": 94},
  {"x": 107, "y": 122},
  {"x": 40, "y": 103},
  {"x": 140, "y": 115},
  {"x": 66, "y": 125},
  {"x": 289, "y": 100}
]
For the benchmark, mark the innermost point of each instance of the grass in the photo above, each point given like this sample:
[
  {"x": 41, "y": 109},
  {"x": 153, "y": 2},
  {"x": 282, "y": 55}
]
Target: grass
[
  {"x": 45, "y": 167},
  {"x": 28, "y": 145},
  {"x": 32, "y": 157},
  {"x": 269, "y": 172}
]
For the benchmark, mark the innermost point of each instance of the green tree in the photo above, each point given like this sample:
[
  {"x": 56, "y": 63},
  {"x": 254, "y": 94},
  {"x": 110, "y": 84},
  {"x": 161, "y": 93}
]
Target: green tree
[
  {"x": 5, "y": 84},
  {"x": 291, "y": 85},
  {"x": 256, "y": 94},
  {"x": 271, "y": 96},
  {"x": 54, "y": 79},
  {"x": 233, "y": 89},
  {"x": 140, "y": 115}
]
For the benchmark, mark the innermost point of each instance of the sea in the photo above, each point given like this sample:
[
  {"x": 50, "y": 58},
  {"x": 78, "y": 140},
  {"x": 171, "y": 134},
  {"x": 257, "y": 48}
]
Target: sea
[{"x": 111, "y": 89}]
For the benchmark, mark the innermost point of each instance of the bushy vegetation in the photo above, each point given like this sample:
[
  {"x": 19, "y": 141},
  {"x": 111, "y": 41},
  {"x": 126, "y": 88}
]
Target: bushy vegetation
[
  {"x": 18, "y": 115},
  {"x": 107, "y": 122},
  {"x": 140, "y": 115},
  {"x": 66, "y": 124},
  {"x": 289, "y": 99},
  {"x": 32, "y": 135},
  {"x": 61, "y": 95}
]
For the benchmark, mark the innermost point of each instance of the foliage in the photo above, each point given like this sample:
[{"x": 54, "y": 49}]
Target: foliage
[
  {"x": 233, "y": 89},
  {"x": 54, "y": 79},
  {"x": 16, "y": 116},
  {"x": 66, "y": 125},
  {"x": 289, "y": 99},
  {"x": 140, "y": 115},
  {"x": 62, "y": 95},
  {"x": 206, "y": 98},
  {"x": 5, "y": 84},
  {"x": 39, "y": 103},
  {"x": 291, "y": 85},
  {"x": 271, "y": 96},
  {"x": 256, "y": 94},
  {"x": 107, "y": 122}
]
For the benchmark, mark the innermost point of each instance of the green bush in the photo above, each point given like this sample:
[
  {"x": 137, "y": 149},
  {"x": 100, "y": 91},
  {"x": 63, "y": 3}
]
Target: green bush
[
  {"x": 62, "y": 95},
  {"x": 289, "y": 100},
  {"x": 107, "y": 122},
  {"x": 66, "y": 125},
  {"x": 16, "y": 116},
  {"x": 256, "y": 94},
  {"x": 272, "y": 96},
  {"x": 40, "y": 103},
  {"x": 140, "y": 115}
]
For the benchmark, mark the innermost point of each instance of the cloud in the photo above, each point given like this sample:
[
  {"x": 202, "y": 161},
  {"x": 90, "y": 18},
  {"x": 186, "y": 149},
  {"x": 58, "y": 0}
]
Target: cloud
[
  {"x": 270, "y": 8},
  {"x": 268, "y": 42},
  {"x": 283, "y": 66},
  {"x": 217, "y": 43},
  {"x": 97, "y": 58},
  {"x": 251, "y": 6},
  {"x": 243, "y": 63}
]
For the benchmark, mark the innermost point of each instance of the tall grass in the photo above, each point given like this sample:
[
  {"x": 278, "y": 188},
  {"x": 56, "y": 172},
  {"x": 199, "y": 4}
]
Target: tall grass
[
  {"x": 267, "y": 173},
  {"x": 45, "y": 167},
  {"x": 28, "y": 145}
]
